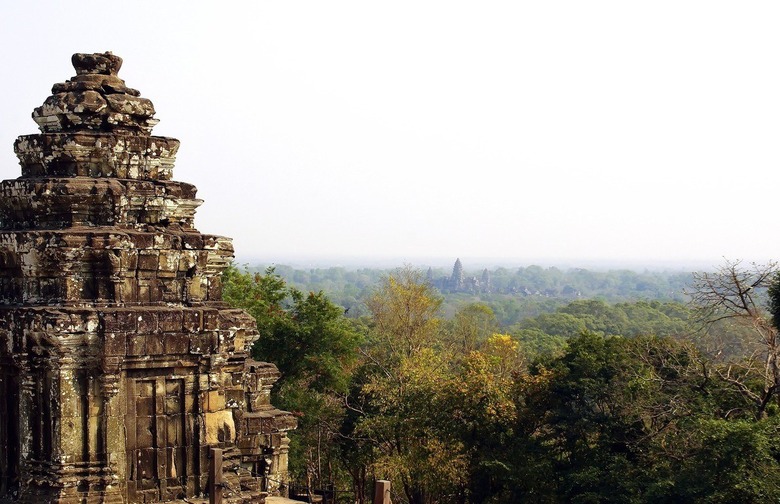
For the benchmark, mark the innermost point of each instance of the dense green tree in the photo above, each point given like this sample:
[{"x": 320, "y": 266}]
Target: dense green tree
[
  {"x": 598, "y": 316},
  {"x": 404, "y": 315},
  {"x": 305, "y": 335},
  {"x": 610, "y": 420},
  {"x": 315, "y": 348},
  {"x": 728, "y": 461},
  {"x": 547, "y": 332},
  {"x": 313, "y": 342},
  {"x": 402, "y": 408},
  {"x": 483, "y": 412},
  {"x": 262, "y": 295},
  {"x": 536, "y": 343},
  {"x": 472, "y": 325},
  {"x": 564, "y": 325}
]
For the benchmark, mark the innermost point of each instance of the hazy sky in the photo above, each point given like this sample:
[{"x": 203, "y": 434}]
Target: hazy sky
[{"x": 527, "y": 130}]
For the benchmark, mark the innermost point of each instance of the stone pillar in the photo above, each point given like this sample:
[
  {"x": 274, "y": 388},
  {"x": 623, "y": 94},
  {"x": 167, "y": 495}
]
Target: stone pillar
[
  {"x": 113, "y": 464},
  {"x": 26, "y": 409},
  {"x": 382, "y": 492}
]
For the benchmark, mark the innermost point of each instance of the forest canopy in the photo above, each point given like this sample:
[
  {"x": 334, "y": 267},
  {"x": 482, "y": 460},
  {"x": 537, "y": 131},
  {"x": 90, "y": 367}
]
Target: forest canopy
[
  {"x": 512, "y": 293},
  {"x": 620, "y": 397}
]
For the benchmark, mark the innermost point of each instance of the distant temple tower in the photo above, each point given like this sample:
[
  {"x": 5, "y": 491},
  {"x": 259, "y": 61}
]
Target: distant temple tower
[
  {"x": 486, "y": 285},
  {"x": 120, "y": 366},
  {"x": 457, "y": 280}
]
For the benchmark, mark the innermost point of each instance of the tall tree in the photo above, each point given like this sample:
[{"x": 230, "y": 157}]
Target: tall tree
[
  {"x": 404, "y": 310},
  {"x": 316, "y": 348},
  {"x": 401, "y": 406},
  {"x": 484, "y": 413}
]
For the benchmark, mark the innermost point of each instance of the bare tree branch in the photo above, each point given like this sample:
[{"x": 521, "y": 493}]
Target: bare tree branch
[{"x": 729, "y": 307}]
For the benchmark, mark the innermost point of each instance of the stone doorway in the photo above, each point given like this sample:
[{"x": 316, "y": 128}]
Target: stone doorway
[{"x": 161, "y": 452}]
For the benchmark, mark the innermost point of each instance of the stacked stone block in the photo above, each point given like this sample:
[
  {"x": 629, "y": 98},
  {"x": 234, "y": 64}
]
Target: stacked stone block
[{"x": 120, "y": 366}]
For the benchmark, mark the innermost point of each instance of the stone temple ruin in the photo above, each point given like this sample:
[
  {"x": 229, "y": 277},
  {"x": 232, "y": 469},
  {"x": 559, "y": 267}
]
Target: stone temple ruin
[{"x": 120, "y": 367}]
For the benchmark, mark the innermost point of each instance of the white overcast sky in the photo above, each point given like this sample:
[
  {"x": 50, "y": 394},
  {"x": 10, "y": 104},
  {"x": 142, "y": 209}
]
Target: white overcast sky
[{"x": 534, "y": 131}]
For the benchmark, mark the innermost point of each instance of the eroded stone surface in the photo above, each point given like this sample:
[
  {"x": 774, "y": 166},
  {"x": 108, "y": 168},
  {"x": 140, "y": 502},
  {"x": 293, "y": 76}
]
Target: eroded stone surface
[
  {"x": 95, "y": 100},
  {"x": 120, "y": 366}
]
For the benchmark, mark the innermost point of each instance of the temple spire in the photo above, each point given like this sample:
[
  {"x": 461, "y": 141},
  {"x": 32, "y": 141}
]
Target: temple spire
[{"x": 95, "y": 100}]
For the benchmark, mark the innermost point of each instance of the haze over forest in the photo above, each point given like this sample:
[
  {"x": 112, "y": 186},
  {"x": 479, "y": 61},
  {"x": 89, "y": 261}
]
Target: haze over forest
[
  {"x": 423, "y": 263},
  {"x": 553, "y": 133}
]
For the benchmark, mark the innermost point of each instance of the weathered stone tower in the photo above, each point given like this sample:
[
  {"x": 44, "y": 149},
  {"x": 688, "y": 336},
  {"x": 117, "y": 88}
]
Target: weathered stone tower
[{"x": 120, "y": 366}]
